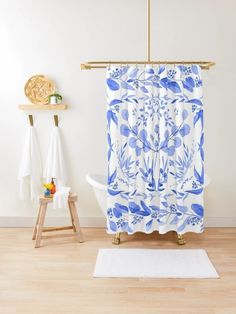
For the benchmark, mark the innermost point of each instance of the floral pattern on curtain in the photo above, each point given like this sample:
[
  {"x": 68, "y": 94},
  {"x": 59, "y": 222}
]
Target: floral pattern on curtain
[{"x": 155, "y": 149}]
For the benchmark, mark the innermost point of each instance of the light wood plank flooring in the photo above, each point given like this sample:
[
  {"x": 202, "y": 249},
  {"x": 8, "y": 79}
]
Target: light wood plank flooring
[{"x": 57, "y": 278}]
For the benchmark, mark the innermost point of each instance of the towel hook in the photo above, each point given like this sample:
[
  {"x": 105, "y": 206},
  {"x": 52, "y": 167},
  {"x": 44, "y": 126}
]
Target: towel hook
[
  {"x": 56, "y": 120},
  {"x": 31, "y": 120}
]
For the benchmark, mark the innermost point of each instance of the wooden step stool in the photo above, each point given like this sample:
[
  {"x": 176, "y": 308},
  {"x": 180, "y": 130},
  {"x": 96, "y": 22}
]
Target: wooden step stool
[{"x": 39, "y": 228}]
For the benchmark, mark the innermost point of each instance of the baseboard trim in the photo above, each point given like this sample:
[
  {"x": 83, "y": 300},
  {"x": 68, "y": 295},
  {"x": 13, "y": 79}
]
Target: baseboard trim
[
  {"x": 220, "y": 222},
  {"x": 96, "y": 222}
]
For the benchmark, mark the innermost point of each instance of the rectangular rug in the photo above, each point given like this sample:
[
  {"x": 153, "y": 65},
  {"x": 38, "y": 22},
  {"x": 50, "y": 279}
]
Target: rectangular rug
[{"x": 154, "y": 263}]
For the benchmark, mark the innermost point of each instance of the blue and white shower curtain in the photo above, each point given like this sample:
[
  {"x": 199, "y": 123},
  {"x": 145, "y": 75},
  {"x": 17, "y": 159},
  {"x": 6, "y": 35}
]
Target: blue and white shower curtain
[{"x": 155, "y": 149}]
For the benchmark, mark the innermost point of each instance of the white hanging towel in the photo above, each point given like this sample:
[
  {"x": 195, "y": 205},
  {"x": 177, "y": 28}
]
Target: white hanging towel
[
  {"x": 60, "y": 198},
  {"x": 55, "y": 164},
  {"x": 30, "y": 171}
]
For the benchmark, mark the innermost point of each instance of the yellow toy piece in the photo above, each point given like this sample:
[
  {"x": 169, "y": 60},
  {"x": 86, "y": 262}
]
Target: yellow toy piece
[{"x": 48, "y": 186}]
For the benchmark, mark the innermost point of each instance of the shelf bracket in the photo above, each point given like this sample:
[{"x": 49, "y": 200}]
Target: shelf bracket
[
  {"x": 56, "y": 120},
  {"x": 31, "y": 120}
]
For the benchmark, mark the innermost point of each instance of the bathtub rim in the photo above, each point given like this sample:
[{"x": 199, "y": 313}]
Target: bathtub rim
[{"x": 92, "y": 179}]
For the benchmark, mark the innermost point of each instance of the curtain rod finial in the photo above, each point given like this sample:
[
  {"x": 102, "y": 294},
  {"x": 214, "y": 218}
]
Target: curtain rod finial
[{"x": 84, "y": 66}]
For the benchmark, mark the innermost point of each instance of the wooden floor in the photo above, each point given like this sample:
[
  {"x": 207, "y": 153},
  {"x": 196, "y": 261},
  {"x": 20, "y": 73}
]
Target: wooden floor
[{"x": 57, "y": 278}]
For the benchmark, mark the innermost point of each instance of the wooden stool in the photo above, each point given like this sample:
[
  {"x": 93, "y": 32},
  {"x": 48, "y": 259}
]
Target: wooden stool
[{"x": 39, "y": 229}]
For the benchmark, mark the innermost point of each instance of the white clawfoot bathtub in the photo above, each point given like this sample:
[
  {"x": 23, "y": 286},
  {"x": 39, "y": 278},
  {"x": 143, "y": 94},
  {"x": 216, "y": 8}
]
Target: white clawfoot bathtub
[{"x": 99, "y": 185}]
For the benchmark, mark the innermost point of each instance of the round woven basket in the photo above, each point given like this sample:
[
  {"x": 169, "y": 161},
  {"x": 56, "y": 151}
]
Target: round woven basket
[{"x": 38, "y": 88}]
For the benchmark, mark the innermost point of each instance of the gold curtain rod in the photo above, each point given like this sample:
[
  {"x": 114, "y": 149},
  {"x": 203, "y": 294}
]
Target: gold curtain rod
[{"x": 205, "y": 65}]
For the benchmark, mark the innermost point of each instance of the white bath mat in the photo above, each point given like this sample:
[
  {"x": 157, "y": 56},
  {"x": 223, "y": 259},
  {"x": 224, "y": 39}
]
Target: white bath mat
[{"x": 154, "y": 263}]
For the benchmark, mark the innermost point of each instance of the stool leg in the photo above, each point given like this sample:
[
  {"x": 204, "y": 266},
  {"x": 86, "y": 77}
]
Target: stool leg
[
  {"x": 36, "y": 224},
  {"x": 76, "y": 221},
  {"x": 40, "y": 225},
  {"x": 71, "y": 216}
]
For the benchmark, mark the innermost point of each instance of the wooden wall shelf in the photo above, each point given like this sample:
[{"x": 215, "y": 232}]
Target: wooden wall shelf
[{"x": 42, "y": 107}]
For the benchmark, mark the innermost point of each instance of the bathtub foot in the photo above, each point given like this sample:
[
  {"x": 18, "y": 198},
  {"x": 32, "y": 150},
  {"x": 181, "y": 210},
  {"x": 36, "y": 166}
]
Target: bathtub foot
[
  {"x": 181, "y": 240},
  {"x": 116, "y": 239}
]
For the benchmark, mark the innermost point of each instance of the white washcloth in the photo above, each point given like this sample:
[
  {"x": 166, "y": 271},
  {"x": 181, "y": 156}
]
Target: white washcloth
[
  {"x": 55, "y": 165},
  {"x": 60, "y": 198},
  {"x": 30, "y": 171}
]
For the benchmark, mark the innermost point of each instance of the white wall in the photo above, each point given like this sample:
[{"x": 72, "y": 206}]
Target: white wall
[{"x": 54, "y": 37}]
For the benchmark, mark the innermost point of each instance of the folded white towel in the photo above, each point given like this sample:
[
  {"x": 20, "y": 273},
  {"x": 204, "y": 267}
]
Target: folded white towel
[
  {"x": 60, "y": 198},
  {"x": 30, "y": 171},
  {"x": 55, "y": 165}
]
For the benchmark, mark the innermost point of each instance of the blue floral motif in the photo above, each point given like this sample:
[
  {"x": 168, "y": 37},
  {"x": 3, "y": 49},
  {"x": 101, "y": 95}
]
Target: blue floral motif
[{"x": 155, "y": 149}]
